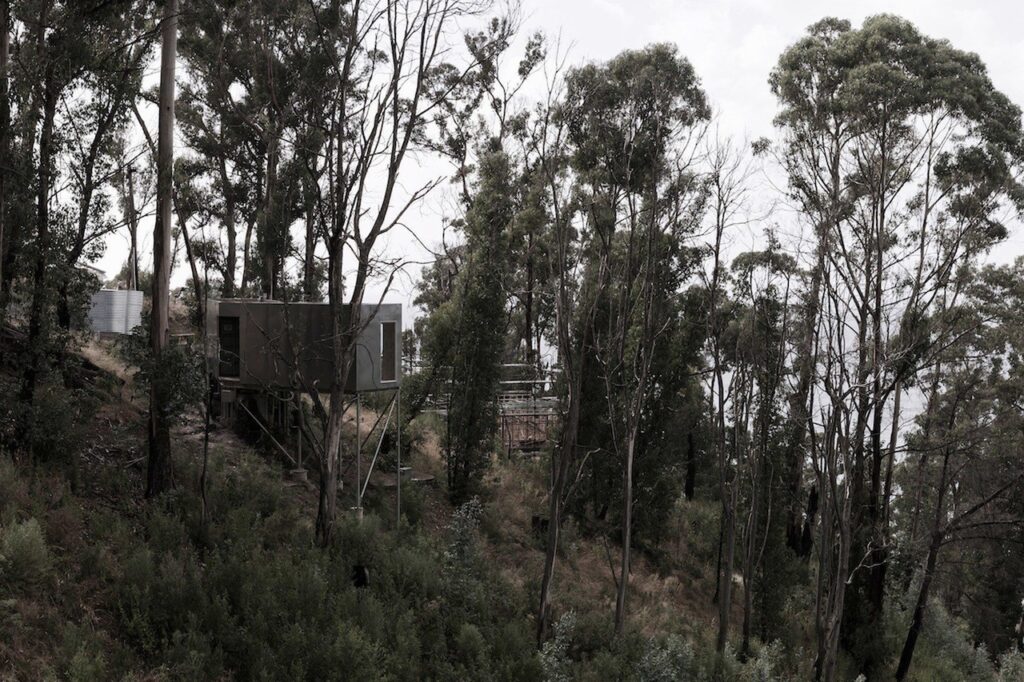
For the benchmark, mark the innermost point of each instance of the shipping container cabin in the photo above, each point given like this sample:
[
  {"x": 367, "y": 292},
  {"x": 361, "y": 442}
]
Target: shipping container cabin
[{"x": 261, "y": 345}]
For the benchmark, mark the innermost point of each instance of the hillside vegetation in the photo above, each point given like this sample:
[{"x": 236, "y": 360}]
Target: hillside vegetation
[{"x": 97, "y": 585}]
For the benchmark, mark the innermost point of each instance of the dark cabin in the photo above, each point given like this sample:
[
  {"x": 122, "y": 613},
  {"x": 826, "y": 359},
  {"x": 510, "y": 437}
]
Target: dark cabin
[{"x": 259, "y": 345}]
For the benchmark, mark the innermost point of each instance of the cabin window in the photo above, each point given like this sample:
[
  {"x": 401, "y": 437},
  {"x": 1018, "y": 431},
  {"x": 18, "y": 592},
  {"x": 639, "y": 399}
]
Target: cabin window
[
  {"x": 388, "y": 351},
  {"x": 230, "y": 360}
]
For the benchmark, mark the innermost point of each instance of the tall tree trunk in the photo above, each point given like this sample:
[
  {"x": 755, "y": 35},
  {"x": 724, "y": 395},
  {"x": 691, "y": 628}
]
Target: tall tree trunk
[
  {"x": 309, "y": 255},
  {"x": 5, "y": 125},
  {"x": 937, "y": 536},
  {"x": 37, "y": 314},
  {"x": 796, "y": 431},
  {"x": 231, "y": 258},
  {"x": 247, "y": 255},
  {"x": 197, "y": 282},
  {"x": 573, "y": 364},
  {"x": 330, "y": 463},
  {"x": 345, "y": 330},
  {"x": 627, "y": 530},
  {"x": 917, "y": 621},
  {"x": 159, "y": 469},
  {"x": 750, "y": 561},
  {"x": 727, "y": 530},
  {"x": 728, "y": 566},
  {"x": 23, "y": 159},
  {"x": 690, "y": 481},
  {"x": 133, "y": 230},
  {"x": 228, "y": 219},
  {"x": 566, "y": 450},
  {"x": 528, "y": 302},
  {"x": 268, "y": 238}
]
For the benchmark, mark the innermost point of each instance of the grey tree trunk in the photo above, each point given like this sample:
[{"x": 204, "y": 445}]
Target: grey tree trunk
[
  {"x": 159, "y": 469},
  {"x": 37, "y": 313},
  {"x": 917, "y": 622},
  {"x": 309, "y": 259},
  {"x": 133, "y": 231},
  {"x": 5, "y": 125},
  {"x": 330, "y": 463},
  {"x": 566, "y": 448},
  {"x": 627, "y": 533}
]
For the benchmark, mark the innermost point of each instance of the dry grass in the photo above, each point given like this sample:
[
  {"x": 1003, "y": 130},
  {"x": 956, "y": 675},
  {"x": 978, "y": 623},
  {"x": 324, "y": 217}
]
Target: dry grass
[{"x": 670, "y": 601}]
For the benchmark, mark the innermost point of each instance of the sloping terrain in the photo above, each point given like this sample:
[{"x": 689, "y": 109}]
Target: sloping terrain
[{"x": 109, "y": 585}]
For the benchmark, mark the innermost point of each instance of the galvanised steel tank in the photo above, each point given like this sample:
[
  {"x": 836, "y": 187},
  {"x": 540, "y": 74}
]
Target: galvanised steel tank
[{"x": 115, "y": 311}]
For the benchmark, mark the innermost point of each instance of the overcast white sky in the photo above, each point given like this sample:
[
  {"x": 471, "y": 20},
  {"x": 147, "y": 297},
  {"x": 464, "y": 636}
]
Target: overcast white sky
[{"x": 733, "y": 44}]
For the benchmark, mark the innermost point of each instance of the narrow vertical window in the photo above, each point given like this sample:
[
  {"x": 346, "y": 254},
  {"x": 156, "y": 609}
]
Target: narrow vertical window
[
  {"x": 230, "y": 346},
  {"x": 388, "y": 351}
]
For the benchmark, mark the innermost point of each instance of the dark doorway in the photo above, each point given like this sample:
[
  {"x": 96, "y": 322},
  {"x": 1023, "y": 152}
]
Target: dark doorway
[
  {"x": 389, "y": 351},
  {"x": 230, "y": 362}
]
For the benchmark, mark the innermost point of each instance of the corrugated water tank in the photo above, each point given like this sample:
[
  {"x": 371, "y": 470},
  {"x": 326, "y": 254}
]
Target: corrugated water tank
[{"x": 115, "y": 311}]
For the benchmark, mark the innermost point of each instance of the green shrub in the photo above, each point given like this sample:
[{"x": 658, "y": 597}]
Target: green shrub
[
  {"x": 471, "y": 651},
  {"x": 945, "y": 651},
  {"x": 413, "y": 503},
  {"x": 554, "y": 656},
  {"x": 764, "y": 667},
  {"x": 14, "y": 494},
  {"x": 59, "y": 418},
  {"x": 24, "y": 556},
  {"x": 83, "y": 653},
  {"x": 1011, "y": 667},
  {"x": 666, "y": 661},
  {"x": 700, "y": 521}
]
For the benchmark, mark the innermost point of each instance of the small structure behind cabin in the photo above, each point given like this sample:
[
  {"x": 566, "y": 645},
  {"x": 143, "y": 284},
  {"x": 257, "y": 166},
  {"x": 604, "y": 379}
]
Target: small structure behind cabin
[{"x": 115, "y": 311}]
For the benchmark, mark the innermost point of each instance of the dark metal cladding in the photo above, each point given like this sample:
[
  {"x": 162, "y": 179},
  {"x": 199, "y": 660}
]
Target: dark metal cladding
[{"x": 266, "y": 344}]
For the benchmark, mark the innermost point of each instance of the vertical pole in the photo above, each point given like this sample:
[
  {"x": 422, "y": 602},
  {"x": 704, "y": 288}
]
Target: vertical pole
[
  {"x": 359, "y": 460},
  {"x": 398, "y": 489}
]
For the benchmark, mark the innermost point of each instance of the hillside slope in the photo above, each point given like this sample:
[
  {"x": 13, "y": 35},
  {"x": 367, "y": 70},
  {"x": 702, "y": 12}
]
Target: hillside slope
[{"x": 96, "y": 583}]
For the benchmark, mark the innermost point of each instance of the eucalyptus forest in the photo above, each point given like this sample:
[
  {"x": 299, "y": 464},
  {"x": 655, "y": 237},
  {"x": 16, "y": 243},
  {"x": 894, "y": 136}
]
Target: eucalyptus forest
[{"x": 774, "y": 386}]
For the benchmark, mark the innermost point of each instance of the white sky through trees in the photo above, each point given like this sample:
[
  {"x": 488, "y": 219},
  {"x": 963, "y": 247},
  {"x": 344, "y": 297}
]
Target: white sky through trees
[{"x": 732, "y": 44}]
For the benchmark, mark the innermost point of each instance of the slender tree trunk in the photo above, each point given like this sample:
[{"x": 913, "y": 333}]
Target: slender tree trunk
[
  {"x": 826, "y": 554},
  {"x": 159, "y": 469},
  {"x": 346, "y": 328},
  {"x": 835, "y": 618},
  {"x": 37, "y": 314},
  {"x": 528, "y": 302},
  {"x": 133, "y": 230},
  {"x": 727, "y": 531},
  {"x": 749, "y": 564},
  {"x": 269, "y": 238},
  {"x": 690, "y": 482},
  {"x": 309, "y": 260},
  {"x": 197, "y": 283},
  {"x": 728, "y": 566},
  {"x": 246, "y": 254},
  {"x": 937, "y": 536},
  {"x": 793, "y": 457},
  {"x": 231, "y": 257},
  {"x": 627, "y": 531},
  {"x": 573, "y": 364},
  {"x": 5, "y": 126},
  {"x": 566, "y": 450},
  {"x": 330, "y": 463},
  {"x": 23, "y": 159},
  {"x": 917, "y": 621}
]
